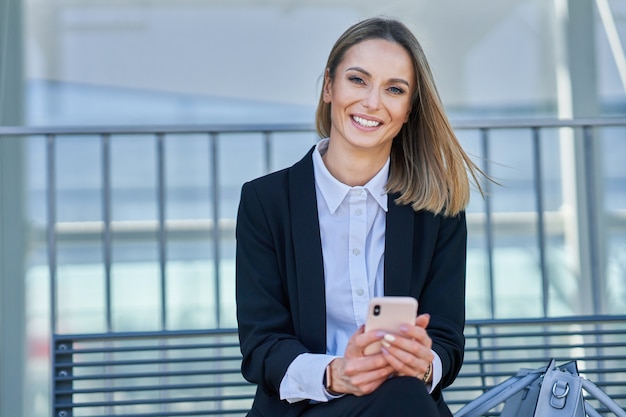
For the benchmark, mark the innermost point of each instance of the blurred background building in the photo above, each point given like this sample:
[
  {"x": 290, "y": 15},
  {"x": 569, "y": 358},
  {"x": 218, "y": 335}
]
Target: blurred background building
[{"x": 149, "y": 63}]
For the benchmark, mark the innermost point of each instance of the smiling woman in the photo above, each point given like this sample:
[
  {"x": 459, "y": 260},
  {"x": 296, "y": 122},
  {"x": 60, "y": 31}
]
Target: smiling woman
[{"x": 376, "y": 208}]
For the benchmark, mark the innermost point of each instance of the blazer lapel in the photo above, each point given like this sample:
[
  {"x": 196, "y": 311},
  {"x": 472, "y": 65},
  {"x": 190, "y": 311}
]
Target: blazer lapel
[
  {"x": 311, "y": 308},
  {"x": 398, "y": 248}
]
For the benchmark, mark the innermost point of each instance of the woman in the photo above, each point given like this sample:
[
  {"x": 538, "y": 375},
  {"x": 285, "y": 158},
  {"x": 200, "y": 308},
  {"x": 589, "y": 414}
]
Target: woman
[{"x": 375, "y": 208}]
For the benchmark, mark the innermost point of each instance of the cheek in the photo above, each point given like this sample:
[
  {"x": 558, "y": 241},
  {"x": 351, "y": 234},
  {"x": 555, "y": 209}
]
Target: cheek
[{"x": 402, "y": 113}]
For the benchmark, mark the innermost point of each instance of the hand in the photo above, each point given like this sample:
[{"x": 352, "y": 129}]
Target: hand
[
  {"x": 409, "y": 353},
  {"x": 356, "y": 373}
]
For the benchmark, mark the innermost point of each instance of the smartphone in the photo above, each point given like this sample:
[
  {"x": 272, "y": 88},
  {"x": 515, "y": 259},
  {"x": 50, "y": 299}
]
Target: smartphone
[{"x": 389, "y": 313}]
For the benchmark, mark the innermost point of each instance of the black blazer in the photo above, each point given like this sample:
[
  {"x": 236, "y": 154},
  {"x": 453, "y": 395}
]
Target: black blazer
[{"x": 281, "y": 308}]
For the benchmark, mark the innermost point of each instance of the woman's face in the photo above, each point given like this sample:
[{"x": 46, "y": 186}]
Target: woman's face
[{"x": 370, "y": 95}]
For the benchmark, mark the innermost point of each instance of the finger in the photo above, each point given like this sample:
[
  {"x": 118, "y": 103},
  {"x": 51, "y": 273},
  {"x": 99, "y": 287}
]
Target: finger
[
  {"x": 408, "y": 350},
  {"x": 405, "y": 364},
  {"x": 360, "y": 341},
  {"x": 365, "y": 364},
  {"x": 371, "y": 376},
  {"x": 356, "y": 376},
  {"x": 418, "y": 334},
  {"x": 422, "y": 320},
  {"x": 354, "y": 347}
]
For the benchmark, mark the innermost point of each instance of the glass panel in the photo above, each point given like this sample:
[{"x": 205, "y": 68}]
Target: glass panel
[
  {"x": 135, "y": 274},
  {"x": 80, "y": 273}
]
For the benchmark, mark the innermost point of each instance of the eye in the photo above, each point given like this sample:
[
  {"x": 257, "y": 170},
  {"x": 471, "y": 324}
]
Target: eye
[
  {"x": 396, "y": 90},
  {"x": 356, "y": 80}
]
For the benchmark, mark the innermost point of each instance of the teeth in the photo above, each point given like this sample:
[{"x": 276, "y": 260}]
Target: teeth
[{"x": 365, "y": 122}]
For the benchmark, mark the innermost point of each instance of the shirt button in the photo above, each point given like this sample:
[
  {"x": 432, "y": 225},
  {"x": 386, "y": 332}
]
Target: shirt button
[
  {"x": 358, "y": 212},
  {"x": 356, "y": 252},
  {"x": 358, "y": 192},
  {"x": 300, "y": 388},
  {"x": 360, "y": 292}
]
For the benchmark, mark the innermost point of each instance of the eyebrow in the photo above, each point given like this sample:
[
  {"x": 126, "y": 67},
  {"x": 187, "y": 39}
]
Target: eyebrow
[{"x": 395, "y": 80}]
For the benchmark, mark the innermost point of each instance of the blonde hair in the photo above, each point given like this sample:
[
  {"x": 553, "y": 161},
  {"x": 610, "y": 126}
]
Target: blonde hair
[{"x": 429, "y": 168}]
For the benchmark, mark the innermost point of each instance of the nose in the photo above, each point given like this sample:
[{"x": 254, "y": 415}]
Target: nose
[{"x": 372, "y": 99}]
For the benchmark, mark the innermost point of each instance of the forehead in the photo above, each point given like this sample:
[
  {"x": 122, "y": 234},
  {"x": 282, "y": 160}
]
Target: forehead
[{"x": 380, "y": 57}]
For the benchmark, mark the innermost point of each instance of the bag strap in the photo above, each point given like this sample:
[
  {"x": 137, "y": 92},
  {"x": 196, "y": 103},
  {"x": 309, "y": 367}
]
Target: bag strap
[
  {"x": 497, "y": 395},
  {"x": 601, "y": 396},
  {"x": 590, "y": 411}
]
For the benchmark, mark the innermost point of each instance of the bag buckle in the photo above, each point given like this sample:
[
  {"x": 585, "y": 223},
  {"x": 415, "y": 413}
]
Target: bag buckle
[{"x": 560, "y": 389}]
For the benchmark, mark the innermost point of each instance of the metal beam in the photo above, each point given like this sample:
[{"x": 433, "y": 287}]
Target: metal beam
[
  {"x": 577, "y": 97},
  {"x": 12, "y": 208}
]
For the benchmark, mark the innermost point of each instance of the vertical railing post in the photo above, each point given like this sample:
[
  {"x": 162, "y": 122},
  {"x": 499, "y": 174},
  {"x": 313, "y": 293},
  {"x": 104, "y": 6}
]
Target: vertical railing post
[
  {"x": 52, "y": 252},
  {"x": 105, "y": 141},
  {"x": 213, "y": 137},
  {"x": 51, "y": 227},
  {"x": 595, "y": 219},
  {"x": 484, "y": 134},
  {"x": 541, "y": 232},
  {"x": 267, "y": 148},
  {"x": 162, "y": 230},
  {"x": 162, "y": 243},
  {"x": 107, "y": 243}
]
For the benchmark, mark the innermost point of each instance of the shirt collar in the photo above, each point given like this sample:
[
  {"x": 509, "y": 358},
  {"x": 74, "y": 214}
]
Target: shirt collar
[{"x": 335, "y": 191}]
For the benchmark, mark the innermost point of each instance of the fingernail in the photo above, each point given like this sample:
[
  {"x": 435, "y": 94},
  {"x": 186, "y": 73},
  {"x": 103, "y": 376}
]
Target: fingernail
[
  {"x": 384, "y": 343},
  {"x": 390, "y": 337},
  {"x": 380, "y": 334},
  {"x": 404, "y": 327}
]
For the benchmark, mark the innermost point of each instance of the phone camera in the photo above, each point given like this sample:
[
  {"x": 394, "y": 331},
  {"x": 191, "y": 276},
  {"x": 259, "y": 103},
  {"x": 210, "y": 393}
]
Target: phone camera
[{"x": 376, "y": 310}]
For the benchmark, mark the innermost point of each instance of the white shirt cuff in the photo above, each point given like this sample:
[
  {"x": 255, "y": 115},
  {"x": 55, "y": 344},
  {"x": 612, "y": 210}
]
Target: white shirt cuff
[
  {"x": 437, "y": 373},
  {"x": 304, "y": 379}
]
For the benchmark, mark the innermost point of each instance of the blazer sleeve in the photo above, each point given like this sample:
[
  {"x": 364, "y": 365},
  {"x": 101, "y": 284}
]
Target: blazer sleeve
[
  {"x": 266, "y": 330},
  {"x": 443, "y": 295}
]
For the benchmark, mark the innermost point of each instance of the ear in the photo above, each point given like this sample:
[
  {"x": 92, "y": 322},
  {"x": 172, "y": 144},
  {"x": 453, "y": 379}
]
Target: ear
[{"x": 327, "y": 88}]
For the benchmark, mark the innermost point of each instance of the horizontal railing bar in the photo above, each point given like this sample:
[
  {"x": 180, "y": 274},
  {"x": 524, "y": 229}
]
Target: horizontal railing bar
[
  {"x": 510, "y": 348},
  {"x": 566, "y": 331},
  {"x": 589, "y": 333},
  {"x": 294, "y": 127},
  {"x": 104, "y": 390},
  {"x": 161, "y": 348},
  {"x": 147, "y": 401},
  {"x": 546, "y": 321},
  {"x": 464, "y": 388},
  {"x": 155, "y": 129},
  {"x": 131, "y": 362},
  {"x": 507, "y": 373},
  {"x": 138, "y": 375},
  {"x": 180, "y": 413},
  {"x": 539, "y": 123},
  {"x": 144, "y": 335},
  {"x": 557, "y": 358}
]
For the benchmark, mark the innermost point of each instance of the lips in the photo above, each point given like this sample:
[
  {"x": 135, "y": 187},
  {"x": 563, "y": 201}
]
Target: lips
[{"x": 365, "y": 122}]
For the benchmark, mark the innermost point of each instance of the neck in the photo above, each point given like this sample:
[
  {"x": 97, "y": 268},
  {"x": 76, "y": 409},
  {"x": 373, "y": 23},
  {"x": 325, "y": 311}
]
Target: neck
[{"x": 353, "y": 168}]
